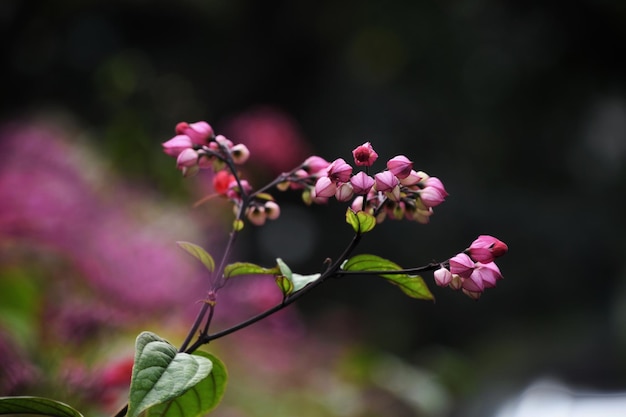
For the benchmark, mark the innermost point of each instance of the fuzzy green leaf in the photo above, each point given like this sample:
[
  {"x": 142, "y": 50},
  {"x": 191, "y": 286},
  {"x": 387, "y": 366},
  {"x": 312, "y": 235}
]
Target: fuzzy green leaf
[
  {"x": 200, "y": 399},
  {"x": 247, "y": 268},
  {"x": 161, "y": 373},
  {"x": 198, "y": 253},
  {"x": 36, "y": 405},
  {"x": 412, "y": 285},
  {"x": 360, "y": 221}
]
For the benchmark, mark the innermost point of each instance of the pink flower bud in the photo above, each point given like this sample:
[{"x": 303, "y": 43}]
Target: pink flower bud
[
  {"x": 187, "y": 158},
  {"x": 339, "y": 171},
  {"x": 400, "y": 166},
  {"x": 357, "y": 204},
  {"x": 364, "y": 155},
  {"x": 486, "y": 248},
  {"x": 344, "y": 192},
  {"x": 176, "y": 145},
  {"x": 443, "y": 277},
  {"x": 256, "y": 215},
  {"x": 436, "y": 184},
  {"x": 315, "y": 164},
  {"x": 200, "y": 132},
  {"x": 422, "y": 215},
  {"x": 325, "y": 187},
  {"x": 240, "y": 153},
  {"x": 385, "y": 181},
  {"x": 272, "y": 210},
  {"x": 412, "y": 179},
  {"x": 222, "y": 140},
  {"x": 431, "y": 196},
  {"x": 462, "y": 265},
  {"x": 362, "y": 183}
]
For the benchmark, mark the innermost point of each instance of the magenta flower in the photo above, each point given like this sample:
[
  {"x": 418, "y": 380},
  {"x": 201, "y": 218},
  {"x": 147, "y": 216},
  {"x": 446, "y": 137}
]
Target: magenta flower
[
  {"x": 400, "y": 166},
  {"x": 177, "y": 144},
  {"x": 486, "y": 248},
  {"x": 483, "y": 276},
  {"x": 435, "y": 183},
  {"x": 386, "y": 181},
  {"x": 362, "y": 183},
  {"x": 339, "y": 171},
  {"x": 364, "y": 155},
  {"x": 199, "y": 133},
  {"x": 325, "y": 187},
  {"x": 187, "y": 158},
  {"x": 462, "y": 265}
]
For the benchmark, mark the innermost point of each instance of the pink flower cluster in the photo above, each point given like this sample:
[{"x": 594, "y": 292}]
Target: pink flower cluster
[
  {"x": 196, "y": 147},
  {"x": 473, "y": 270},
  {"x": 398, "y": 191}
]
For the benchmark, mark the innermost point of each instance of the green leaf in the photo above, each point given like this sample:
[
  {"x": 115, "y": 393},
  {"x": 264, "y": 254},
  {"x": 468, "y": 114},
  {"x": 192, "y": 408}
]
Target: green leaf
[
  {"x": 284, "y": 269},
  {"x": 360, "y": 221},
  {"x": 285, "y": 284},
  {"x": 161, "y": 373},
  {"x": 198, "y": 253},
  {"x": 36, "y": 405},
  {"x": 198, "y": 400},
  {"x": 246, "y": 268},
  {"x": 412, "y": 285}
]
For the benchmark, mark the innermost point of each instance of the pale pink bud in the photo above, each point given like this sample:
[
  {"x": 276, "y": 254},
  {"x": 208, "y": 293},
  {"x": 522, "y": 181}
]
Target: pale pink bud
[
  {"x": 199, "y": 132},
  {"x": 400, "y": 166},
  {"x": 412, "y": 179},
  {"x": 357, "y": 204},
  {"x": 187, "y": 158},
  {"x": 443, "y": 277},
  {"x": 486, "y": 248},
  {"x": 385, "y": 181},
  {"x": 316, "y": 198},
  {"x": 364, "y": 155},
  {"x": 457, "y": 282},
  {"x": 422, "y": 215},
  {"x": 222, "y": 140},
  {"x": 431, "y": 196},
  {"x": 474, "y": 295},
  {"x": 362, "y": 183},
  {"x": 272, "y": 210},
  {"x": 256, "y": 215},
  {"x": 325, "y": 187},
  {"x": 240, "y": 153},
  {"x": 394, "y": 193},
  {"x": 462, "y": 265},
  {"x": 315, "y": 164},
  {"x": 339, "y": 171},
  {"x": 176, "y": 145},
  {"x": 344, "y": 192}
]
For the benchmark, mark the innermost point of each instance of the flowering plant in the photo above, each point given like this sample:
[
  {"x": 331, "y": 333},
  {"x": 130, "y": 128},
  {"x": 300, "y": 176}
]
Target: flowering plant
[{"x": 185, "y": 381}]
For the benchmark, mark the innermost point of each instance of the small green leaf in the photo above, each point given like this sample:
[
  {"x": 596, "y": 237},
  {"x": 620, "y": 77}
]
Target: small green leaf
[
  {"x": 198, "y": 253},
  {"x": 285, "y": 284},
  {"x": 161, "y": 373},
  {"x": 361, "y": 221},
  {"x": 36, "y": 405},
  {"x": 412, "y": 285},
  {"x": 198, "y": 400},
  {"x": 247, "y": 268},
  {"x": 238, "y": 225},
  {"x": 301, "y": 281}
]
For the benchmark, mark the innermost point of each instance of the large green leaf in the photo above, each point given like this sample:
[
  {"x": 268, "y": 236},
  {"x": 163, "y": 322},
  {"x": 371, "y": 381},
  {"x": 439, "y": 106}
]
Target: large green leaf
[
  {"x": 247, "y": 268},
  {"x": 412, "y": 285},
  {"x": 198, "y": 253},
  {"x": 161, "y": 373},
  {"x": 36, "y": 405},
  {"x": 199, "y": 399}
]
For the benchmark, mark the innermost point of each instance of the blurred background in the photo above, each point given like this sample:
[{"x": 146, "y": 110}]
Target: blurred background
[{"x": 519, "y": 107}]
